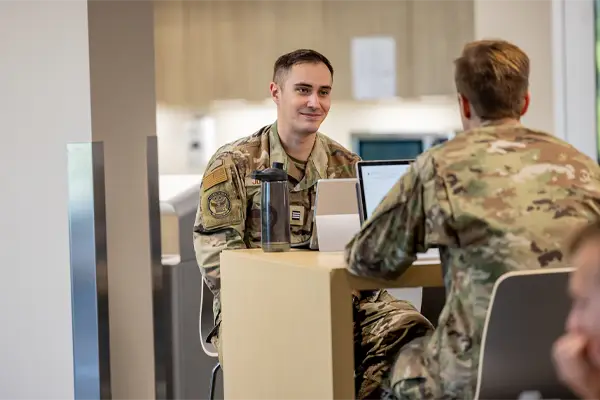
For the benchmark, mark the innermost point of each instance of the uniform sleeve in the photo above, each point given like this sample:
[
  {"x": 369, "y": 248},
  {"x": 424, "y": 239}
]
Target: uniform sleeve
[
  {"x": 220, "y": 219},
  {"x": 389, "y": 241},
  {"x": 353, "y": 172}
]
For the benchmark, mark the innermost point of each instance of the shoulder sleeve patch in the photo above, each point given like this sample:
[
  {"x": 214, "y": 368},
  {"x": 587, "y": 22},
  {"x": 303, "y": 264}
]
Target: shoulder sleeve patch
[
  {"x": 218, "y": 175},
  {"x": 221, "y": 202},
  {"x": 221, "y": 207}
]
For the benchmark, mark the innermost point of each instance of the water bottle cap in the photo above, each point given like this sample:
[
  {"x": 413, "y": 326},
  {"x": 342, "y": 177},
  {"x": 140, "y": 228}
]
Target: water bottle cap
[{"x": 274, "y": 174}]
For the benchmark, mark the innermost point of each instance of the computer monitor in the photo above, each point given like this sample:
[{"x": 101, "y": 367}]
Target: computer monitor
[
  {"x": 388, "y": 148},
  {"x": 375, "y": 179}
]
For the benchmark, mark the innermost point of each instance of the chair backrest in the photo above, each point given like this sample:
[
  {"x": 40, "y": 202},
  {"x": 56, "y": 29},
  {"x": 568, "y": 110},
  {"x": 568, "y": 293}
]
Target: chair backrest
[
  {"x": 527, "y": 313},
  {"x": 205, "y": 320}
]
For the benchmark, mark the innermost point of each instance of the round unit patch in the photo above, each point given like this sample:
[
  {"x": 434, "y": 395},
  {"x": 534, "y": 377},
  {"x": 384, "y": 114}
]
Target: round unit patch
[{"x": 219, "y": 204}]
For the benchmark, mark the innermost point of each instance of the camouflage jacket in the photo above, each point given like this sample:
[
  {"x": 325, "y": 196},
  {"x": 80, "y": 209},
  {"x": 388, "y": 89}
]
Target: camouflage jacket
[
  {"x": 228, "y": 215},
  {"x": 494, "y": 199}
]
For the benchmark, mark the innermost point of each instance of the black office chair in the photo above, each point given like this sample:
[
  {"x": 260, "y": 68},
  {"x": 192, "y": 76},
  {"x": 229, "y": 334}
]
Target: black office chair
[{"x": 527, "y": 314}]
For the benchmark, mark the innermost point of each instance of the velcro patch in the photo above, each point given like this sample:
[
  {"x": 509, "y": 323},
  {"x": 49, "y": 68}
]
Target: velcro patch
[
  {"x": 296, "y": 215},
  {"x": 219, "y": 175},
  {"x": 219, "y": 204},
  {"x": 249, "y": 181},
  {"x": 214, "y": 165}
]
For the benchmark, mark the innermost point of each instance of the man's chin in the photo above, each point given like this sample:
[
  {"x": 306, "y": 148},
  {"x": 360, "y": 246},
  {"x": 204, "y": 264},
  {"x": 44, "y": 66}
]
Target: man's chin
[{"x": 309, "y": 128}]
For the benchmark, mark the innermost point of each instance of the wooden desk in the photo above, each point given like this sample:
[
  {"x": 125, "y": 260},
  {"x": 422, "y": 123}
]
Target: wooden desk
[{"x": 287, "y": 322}]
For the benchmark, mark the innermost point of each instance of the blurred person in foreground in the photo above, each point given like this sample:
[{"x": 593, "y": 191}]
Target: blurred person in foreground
[
  {"x": 498, "y": 197},
  {"x": 577, "y": 353},
  {"x": 228, "y": 215}
]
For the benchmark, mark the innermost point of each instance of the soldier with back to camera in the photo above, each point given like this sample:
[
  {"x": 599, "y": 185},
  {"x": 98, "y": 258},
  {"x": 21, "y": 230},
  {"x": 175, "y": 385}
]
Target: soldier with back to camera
[
  {"x": 498, "y": 197},
  {"x": 228, "y": 215}
]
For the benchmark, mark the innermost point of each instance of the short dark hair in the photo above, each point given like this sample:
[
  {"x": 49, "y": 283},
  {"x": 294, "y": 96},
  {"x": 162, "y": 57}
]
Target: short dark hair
[
  {"x": 494, "y": 76},
  {"x": 300, "y": 56},
  {"x": 584, "y": 234}
]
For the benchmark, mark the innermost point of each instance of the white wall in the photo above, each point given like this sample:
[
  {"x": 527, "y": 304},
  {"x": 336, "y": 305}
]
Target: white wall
[
  {"x": 172, "y": 125},
  {"x": 574, "y": 60},
  {"x": 44, "y": 103}
]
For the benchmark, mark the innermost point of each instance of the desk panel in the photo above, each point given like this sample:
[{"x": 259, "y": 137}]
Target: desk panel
[{"x": 287, "y": 322}]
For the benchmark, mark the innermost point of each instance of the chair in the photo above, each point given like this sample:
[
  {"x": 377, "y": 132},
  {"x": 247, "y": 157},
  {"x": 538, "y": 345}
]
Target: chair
[
  {"x": 205, "y": 344},
  {"x": 527, "y": 313}
]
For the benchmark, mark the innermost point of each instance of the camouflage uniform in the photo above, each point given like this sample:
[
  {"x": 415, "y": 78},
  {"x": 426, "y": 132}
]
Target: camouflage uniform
[
  {"x": 228, "y": 217},
  {"x": 495, "y": 199}
]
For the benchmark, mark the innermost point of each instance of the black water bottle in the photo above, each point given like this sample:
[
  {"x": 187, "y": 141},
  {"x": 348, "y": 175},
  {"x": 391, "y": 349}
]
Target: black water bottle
[{"x": 274, "y": 208}]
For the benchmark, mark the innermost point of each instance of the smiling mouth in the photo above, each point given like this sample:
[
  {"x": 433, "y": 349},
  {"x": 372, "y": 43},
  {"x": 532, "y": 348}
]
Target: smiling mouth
[{"x": 311, "y": 115}]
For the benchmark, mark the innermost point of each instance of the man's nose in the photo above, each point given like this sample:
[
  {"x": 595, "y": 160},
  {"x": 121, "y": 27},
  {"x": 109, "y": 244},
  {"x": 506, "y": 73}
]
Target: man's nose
[{"x": 313, "y": 101}]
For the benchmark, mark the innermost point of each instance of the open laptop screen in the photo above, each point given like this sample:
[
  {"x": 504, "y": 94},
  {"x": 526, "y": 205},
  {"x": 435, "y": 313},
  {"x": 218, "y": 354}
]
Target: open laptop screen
[{"x": 376, "y": 178}]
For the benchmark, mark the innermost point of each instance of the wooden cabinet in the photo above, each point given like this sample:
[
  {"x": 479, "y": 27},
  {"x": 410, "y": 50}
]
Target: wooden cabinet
[
  {"x": 438, "y": 30},
  {"x": 170, "y": 37},
  {"x": 344, "y": 20},
  {"x": 225, "y": 49}
]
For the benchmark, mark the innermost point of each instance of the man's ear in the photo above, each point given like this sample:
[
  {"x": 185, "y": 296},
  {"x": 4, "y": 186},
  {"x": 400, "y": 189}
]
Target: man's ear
[
  {"x": 526, "y": 103},
  {"x": 275, "y": 92},
  {"x": 465, "y": 106}
]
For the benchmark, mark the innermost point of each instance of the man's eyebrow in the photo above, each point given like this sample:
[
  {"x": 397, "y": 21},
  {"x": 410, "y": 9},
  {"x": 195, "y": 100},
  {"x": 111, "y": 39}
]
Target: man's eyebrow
[{"x": 308, "y": 85}]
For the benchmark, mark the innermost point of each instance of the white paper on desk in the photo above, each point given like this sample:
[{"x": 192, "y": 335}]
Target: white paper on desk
[
  {"x": 429, "y": 254},
  {"x": 334, "y": 232},
  {"x": 373, "y": 60}
]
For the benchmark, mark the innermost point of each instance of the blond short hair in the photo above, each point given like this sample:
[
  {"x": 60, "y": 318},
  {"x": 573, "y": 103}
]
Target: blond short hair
[{"x": 494, "y": 76}]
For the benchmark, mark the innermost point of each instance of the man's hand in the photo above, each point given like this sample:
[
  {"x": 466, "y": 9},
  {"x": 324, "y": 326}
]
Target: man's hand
[{"x": 573, "y": 367}]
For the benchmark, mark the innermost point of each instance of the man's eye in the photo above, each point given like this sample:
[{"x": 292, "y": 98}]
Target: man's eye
[{"x": 302, "y": 90}]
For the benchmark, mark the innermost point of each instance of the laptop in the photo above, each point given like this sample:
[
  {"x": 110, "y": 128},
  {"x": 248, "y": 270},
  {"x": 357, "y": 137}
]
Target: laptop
[
  {"x": 527, "y": 314},
  {"x": 336, "y": 213},
  {"x": 375, "y": 180}
]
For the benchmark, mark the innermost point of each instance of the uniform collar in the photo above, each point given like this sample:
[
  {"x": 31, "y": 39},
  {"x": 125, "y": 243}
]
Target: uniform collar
[
  {"x": 276, "y": 151},
  {"x": 316, "y": 165}
]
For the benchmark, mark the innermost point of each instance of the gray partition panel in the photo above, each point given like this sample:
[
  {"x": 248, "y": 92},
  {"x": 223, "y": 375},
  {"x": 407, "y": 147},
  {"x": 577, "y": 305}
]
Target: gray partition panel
[
  {"x": 89, "y": 277},
  {"x": 160, "y": 292},
  {"x": 191, "y": 366}
]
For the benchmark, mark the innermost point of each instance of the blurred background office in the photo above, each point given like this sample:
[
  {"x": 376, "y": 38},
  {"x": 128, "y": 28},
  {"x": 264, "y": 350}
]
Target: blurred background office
[
  {"x": 393, "y": 90},
  {"x": 194, "y": 75},
  {"x": 393, "y": 84}
]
